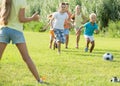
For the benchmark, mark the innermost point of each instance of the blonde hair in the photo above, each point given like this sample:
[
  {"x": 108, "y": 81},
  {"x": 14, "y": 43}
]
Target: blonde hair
[
  {"x": 77, "y": 7},
  {"x": 92, "y": 14},
  {"x": 5, "y": 11}
]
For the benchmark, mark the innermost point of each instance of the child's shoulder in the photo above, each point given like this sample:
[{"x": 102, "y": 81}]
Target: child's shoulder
[
  {"x": 87, "y": 23},
  {"x": 95, "y": 24}
]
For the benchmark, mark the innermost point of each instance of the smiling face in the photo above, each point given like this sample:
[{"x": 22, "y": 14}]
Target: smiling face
[
  {"x": 78, "y": 9},
  {"x": 93, "y": 17},
  {"x": 62, "y": 7}
]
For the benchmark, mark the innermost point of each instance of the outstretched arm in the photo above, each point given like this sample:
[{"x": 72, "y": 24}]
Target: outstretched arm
[
  {"x": 51, "y": 22},
  {"x": 23, "y": 19},
  {"x": 80, "y": 29},
  {"x": 46, "y": 26}
]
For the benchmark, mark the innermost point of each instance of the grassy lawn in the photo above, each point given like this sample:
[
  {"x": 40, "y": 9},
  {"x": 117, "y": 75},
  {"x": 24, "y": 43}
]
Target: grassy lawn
[{"x": 73, "y": 67}]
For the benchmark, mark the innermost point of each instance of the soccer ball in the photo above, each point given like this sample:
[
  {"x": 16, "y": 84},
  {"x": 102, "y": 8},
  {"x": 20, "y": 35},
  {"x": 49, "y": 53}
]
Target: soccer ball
[
  {"x": 115, "y": 79},
  {"x": 108, "y": 56}
]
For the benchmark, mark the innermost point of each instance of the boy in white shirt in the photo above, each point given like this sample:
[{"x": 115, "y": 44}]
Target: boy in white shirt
[{"x": 59, "y": 19}]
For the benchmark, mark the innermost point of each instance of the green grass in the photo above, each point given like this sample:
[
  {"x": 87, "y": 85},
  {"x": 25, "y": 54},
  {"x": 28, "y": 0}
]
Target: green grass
[{"x": 73, "y": 67}]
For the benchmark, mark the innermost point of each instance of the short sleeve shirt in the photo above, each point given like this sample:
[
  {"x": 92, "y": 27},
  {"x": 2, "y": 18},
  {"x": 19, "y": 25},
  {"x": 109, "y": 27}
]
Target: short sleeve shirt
[
  {"x": 89, "y": 28},
  {"x": 59, "y": 19}
]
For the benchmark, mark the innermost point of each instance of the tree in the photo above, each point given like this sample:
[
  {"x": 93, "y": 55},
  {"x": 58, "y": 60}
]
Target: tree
[{"x": 108, "y": 10}]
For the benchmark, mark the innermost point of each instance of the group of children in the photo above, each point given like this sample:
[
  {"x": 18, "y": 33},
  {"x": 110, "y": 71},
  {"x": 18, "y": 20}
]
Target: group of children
[
  {"x": 62, "y": 20},
  {"x": 12, "y": 17}
]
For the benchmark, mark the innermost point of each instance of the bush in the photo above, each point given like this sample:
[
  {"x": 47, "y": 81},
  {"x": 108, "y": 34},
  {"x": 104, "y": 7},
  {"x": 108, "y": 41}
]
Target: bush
[
  {"x": 33, "y": 26},
  {"x": 108, "y": 10},
  {"x": 114, "y": 29}
]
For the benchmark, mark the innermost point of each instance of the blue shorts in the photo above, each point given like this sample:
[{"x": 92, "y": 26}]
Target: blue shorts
[
  {"x": 66, "y": 31},
  {"x": 7, "y": 34},
  {"x": 59, "y": 34}
]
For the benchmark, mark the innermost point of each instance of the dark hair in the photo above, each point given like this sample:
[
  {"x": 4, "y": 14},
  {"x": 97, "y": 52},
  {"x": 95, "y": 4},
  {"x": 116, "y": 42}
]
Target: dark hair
[
  {"x": 62, "y": 3},
  {"x": 66, "y": 3},
  {"x": 5, "y": 11}
]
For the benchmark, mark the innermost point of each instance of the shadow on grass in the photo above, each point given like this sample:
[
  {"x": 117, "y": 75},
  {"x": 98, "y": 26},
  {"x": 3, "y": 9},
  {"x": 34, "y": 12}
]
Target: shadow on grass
[
  {"x": 95, "y": 53},
  {"x": 107, "y": 50},
  {"x": 71, "y": 50},
  {"x": 103, "y": 51}
]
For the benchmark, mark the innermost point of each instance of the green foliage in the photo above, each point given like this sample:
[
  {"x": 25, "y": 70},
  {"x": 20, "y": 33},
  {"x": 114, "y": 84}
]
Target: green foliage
[
  {"x": 77, "y": 2},
  {"x": 35, "y": 8},
  {"x": 109, "y": 10},
  {"x": 33, "y": 26},
  {"x": 32, "y": 8},
  {"x": 114, "y": 29}
]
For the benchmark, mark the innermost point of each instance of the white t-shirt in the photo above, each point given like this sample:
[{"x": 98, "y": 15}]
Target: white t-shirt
[{"x": 59, "y": 19}]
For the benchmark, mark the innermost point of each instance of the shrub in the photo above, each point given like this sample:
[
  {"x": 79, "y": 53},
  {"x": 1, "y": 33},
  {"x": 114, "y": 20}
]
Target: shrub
[
  {"x": 33, "y": 26},
  {"x": 114, "y": 29}
]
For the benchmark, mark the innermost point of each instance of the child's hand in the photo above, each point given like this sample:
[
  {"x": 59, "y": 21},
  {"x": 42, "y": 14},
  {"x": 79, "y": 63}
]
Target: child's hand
[
  {"x": 35, "y": 17},
  {"x": 96, "y": 31}
]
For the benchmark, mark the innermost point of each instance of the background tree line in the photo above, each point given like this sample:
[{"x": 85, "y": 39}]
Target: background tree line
[{"x": 108, "y": 13}]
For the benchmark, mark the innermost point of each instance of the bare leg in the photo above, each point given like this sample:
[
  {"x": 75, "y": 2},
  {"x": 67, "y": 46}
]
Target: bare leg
[
  {"x": 2, "y": 48},
  {"x": 51, "y": 41},
  {"x": 24, "y": 52},
  {"x": 67, "y": 40},
  {"x": 77, "y": 38},
  {"x": 87, "y": 44},
  {"x": 92, "y": 46},
  {"x": 59, "y": 46},
  {"x": 54, "y": 45}
]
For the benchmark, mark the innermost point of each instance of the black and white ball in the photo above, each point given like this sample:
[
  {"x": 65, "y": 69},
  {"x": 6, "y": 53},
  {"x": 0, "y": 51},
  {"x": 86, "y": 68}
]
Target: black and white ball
[
  {"x": 108, "y": 56},
  {"x": 115, "y": 79}
]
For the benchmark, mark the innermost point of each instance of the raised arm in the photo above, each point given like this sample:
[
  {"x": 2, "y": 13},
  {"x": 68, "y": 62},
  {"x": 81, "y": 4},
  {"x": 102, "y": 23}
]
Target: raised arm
[
  {"x": 51, "y": 22},
  {"x": 81, "y": 27}
]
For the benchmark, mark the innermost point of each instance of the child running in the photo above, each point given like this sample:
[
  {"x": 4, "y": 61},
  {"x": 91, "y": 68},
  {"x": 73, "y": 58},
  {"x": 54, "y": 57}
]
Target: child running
[
  {"x": 59, "y": 19},
  {"x": 78, "y": 19},
  {"x": 90, "y": 28},
  {"x": 52, "y": 36},
  {"x": 67, "y": 25}
]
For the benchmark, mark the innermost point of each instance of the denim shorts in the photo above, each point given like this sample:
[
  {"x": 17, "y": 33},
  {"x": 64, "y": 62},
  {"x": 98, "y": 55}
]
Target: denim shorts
[
  {"x": 66, "y": 31},
  {"x": 59, "y": 34},
  {"x": 7, "y": 35}
]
